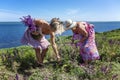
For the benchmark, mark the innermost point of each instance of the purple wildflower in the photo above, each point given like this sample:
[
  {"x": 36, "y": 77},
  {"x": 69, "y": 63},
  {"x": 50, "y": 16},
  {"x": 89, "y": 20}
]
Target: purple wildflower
[
  {"x": 17, "y": 78},
  {"x": 28, "y": 21},
  {"x": 114, "y": 76},
  {"x": 104, "y": 69},
  {"x": 111, "y": 41}
]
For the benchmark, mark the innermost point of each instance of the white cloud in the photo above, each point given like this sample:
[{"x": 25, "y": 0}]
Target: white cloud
[
  {"x": 72, "y": 11},
  {"x": 90, "y": 15},
  {"x": 9, "y": 15}
]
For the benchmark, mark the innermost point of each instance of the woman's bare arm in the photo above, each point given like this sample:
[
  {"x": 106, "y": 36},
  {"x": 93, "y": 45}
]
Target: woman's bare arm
[{"x": 54, "y": 46}]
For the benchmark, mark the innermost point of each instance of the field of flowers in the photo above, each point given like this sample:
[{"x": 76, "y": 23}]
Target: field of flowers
[{"x": 20, "y": 63}]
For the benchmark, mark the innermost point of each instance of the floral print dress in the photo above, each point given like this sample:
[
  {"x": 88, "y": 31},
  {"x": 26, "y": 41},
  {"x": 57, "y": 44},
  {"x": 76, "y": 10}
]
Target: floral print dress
[
  {"x": 27, "y": 39},
  {"x": 88, "y": 49}
]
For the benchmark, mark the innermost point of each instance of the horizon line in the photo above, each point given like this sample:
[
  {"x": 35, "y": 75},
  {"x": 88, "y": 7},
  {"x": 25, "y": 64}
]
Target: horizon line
[{"x": 76, "y": 21}]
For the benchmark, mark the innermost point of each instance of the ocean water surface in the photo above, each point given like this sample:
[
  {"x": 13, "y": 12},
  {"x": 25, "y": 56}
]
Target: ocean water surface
[{"x": 11, "y": 32}]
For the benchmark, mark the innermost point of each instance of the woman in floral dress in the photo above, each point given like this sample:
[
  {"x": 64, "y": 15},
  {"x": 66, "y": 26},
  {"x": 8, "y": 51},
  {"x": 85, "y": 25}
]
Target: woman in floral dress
[{"x": 85, "y": 34}]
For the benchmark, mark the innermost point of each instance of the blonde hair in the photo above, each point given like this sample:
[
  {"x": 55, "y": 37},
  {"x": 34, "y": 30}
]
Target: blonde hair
[{"x": 60, "y": 29}]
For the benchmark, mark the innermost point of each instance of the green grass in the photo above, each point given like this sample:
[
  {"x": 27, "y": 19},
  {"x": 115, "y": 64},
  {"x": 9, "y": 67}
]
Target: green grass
[{"x": 22, "y": 61}]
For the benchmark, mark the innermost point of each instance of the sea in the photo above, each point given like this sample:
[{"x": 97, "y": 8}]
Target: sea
[{"x": 11, "y": 32}]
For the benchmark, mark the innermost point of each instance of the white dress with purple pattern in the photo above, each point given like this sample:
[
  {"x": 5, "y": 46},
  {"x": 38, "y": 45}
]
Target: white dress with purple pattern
[
  {"x": 28, "y": 40},
  {"x": 88, "y": 49}
]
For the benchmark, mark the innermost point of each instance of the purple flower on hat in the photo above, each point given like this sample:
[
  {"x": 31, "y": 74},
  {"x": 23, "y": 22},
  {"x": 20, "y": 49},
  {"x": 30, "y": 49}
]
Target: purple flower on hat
[{"x": 28, "y": 21}]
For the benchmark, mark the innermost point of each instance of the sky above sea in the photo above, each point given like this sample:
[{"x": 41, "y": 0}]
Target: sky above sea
[{"x": 78, "y": 10}]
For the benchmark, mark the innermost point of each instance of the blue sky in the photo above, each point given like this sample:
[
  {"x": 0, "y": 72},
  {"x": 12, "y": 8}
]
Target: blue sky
[{"x": 78, "y": 10}]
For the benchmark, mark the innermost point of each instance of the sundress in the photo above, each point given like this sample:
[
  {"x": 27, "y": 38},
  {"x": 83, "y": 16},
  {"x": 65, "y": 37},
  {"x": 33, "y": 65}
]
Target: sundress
[
  {"x": 28, "y": 40},
  {"x": 88, "y": 49}
]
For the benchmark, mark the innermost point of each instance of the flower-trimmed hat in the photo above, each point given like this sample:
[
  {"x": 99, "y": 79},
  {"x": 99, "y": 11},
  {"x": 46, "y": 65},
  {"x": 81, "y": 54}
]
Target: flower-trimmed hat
[{"x": 28, "y": 21}]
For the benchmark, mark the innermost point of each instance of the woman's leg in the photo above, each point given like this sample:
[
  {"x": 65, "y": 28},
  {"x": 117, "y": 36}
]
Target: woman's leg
[
  {"x": 38, "y": 55},
  {"x": 44, "y": 53}
]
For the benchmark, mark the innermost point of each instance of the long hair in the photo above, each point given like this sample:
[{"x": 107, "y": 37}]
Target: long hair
[
  {"x": 57, "y": 26},
  {"x": 54, "y": 23}
]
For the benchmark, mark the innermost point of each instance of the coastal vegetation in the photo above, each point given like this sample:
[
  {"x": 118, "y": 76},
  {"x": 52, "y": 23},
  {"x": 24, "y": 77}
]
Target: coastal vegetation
[{"x": 19, "y": 63}]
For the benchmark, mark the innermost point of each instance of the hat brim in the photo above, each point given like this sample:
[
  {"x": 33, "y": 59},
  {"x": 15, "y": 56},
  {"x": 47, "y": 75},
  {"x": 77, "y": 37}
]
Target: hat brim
[{"x": 72, "y": 26}]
